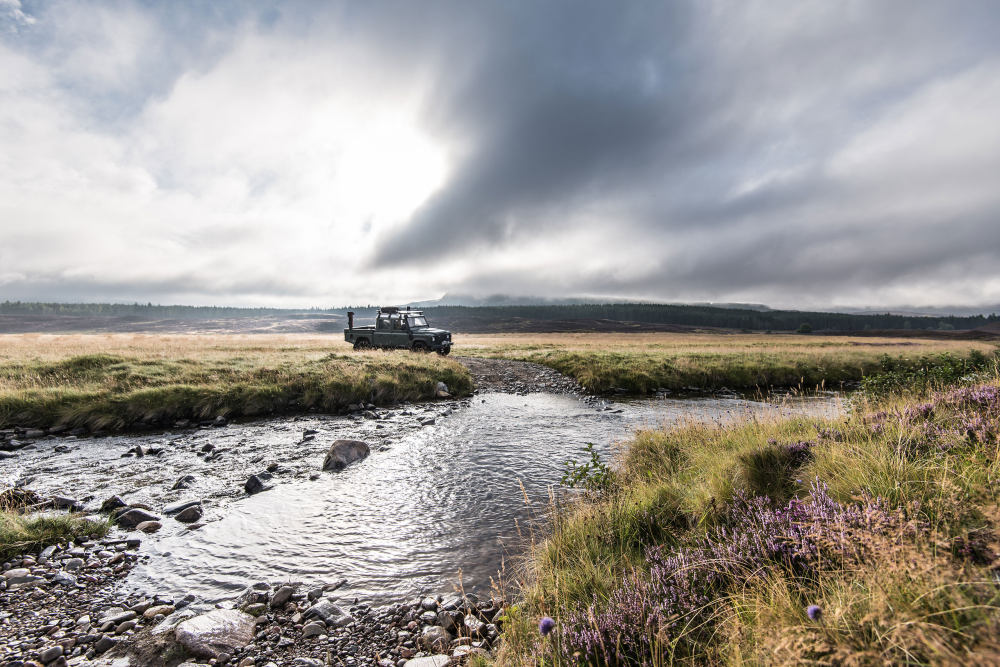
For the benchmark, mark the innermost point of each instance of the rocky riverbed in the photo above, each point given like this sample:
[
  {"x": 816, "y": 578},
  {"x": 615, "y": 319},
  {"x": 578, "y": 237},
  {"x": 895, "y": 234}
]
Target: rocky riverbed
[
  {"x": 423, "y": 500},
  {"x": 67, "y": 607}
]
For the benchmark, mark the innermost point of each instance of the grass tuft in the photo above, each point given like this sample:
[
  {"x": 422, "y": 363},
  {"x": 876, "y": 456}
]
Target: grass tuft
[
  {"x": 21, "y": 534},
  {"x": 870, "y": 538}
]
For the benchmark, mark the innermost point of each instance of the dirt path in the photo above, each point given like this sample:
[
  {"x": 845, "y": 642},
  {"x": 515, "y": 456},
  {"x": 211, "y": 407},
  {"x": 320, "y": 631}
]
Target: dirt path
[{"x": 517, "y": 377}]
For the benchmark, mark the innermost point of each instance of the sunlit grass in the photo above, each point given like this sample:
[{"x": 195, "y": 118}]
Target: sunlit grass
[
  {"x": 21, "y": 534},
  {"x": 914, "y": 586},
  {"x": 644, "y": 362},
  {"x": 116, "y": 381}
]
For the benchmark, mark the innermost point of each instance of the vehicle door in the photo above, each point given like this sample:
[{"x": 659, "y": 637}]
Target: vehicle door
[
  {"x": 382, "y": 336},
  {"x": 399, "y": 332}
]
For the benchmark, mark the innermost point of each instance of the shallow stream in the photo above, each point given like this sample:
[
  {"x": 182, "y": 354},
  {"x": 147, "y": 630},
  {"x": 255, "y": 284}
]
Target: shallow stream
[{"x": 431, "y": 506}]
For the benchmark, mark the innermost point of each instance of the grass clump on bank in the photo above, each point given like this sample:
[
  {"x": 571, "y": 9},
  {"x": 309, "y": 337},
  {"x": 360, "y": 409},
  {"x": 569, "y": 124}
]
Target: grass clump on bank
[
  {"x": 119, "y": 382},
  {"x": 20, "y": 534},
  {"x": 868, "y": 539},
  {"x": 641, "y": 363}
]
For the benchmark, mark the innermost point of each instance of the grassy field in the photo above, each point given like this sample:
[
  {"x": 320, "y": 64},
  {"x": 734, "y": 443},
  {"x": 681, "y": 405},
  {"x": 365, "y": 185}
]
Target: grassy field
[
  {"x": 118, "y": 381},
  {"x": 870, "y": 539},
  {"x": 640, "y": 363}
]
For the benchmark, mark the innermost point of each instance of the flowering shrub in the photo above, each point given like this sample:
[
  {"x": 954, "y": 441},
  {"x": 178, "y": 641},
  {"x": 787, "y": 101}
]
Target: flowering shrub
[{"x": 673, "y": 604}]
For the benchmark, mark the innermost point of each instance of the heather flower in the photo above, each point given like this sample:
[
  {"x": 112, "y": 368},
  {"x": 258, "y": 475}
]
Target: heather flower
[
  {"x": 546, "y": 625},
  {"x": 677, "y": 593},
  {"x": 814, "y": 612}
]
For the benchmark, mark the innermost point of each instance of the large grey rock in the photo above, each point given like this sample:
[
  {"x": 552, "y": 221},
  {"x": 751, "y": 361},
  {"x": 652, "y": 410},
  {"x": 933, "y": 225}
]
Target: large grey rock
[
  {"x": 329, "y": 613},
  {"x": 435, "y": 638},
  {"x": 216, "y": 632},
  {"x": 429, "y": 661},
  {"x": 133, "y": 517},
  {"x": 345, "y": 452}
]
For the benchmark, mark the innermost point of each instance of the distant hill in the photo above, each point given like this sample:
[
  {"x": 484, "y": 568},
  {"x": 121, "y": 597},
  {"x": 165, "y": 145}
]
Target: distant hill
[{"x": 21, "y": 317}]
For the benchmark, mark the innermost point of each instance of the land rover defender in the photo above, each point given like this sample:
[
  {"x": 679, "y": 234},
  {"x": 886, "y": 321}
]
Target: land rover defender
[{"x": 398, "y": 328}]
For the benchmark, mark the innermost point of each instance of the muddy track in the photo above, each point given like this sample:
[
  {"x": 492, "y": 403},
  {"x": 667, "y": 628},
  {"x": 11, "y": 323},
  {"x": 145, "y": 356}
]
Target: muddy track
[{"x": 517, "y": 377}]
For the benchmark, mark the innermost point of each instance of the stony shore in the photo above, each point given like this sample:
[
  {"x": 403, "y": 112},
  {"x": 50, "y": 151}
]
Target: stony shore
[{"x": 69, "y": 604}]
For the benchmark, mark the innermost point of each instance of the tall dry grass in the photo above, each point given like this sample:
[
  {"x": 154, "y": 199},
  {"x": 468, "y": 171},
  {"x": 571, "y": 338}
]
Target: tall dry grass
[
  {"x": 643, "y": 362},
  {"x": 119, "y": 381},
  {"x": 867, "y": 539}
]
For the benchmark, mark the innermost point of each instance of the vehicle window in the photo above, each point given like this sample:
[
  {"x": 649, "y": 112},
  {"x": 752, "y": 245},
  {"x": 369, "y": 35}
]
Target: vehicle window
[
  {"x": 383, "y": 323},
  {"x": 418, "y": 321}
]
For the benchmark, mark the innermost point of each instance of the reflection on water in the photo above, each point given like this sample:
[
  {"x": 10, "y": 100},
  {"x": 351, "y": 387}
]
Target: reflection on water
[{"x": 427, "y": 504}]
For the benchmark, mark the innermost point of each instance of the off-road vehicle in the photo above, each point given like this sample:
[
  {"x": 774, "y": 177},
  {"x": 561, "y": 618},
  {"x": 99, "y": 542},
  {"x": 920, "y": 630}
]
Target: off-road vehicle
[{"x": 398, "y": 328}]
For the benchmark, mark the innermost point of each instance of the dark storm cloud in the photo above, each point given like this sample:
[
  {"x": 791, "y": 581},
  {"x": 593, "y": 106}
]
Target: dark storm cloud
[
  {"x": 566, "y": 103},
  {"x": 667, "y": 111},
  {"x": 796, "y": 153}
]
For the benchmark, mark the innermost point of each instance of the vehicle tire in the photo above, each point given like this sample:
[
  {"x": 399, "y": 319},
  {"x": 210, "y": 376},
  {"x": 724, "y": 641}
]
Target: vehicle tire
[
  {"x": 444, "y": 351},
  {"x": 362, "y": 344},
  {"x": 420, "y": 346}
]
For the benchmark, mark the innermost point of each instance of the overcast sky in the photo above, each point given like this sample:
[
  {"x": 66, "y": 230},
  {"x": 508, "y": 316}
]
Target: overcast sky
[{"x": 799, "y": 154}]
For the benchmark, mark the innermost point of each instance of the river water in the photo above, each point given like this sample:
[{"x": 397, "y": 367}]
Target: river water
[{"x": 432, "y": 506}]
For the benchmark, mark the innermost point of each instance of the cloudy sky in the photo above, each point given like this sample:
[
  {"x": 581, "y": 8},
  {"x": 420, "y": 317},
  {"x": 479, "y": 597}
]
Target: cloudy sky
[{"x": 803, "y": 154}]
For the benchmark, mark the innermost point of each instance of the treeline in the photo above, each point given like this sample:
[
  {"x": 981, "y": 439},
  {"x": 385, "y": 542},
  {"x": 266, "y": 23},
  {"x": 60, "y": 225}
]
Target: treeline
[
  {"x": 708, "y": 316},
  {"x": 461, "y": 316},
  {"x": 145, "y": 310}
]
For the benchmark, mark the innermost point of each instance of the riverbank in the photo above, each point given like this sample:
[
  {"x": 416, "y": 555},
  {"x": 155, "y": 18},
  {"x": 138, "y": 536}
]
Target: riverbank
[
  {"x": 872, "y": 538},
  {"x": 66, "y": 605},
  {"x": 117, "y": 383},
  {"x": 645, "y": 363}
]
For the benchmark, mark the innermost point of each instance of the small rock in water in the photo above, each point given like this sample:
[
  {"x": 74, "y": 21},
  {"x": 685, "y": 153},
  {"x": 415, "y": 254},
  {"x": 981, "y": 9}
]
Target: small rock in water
[
  {"x": 345, "y": 452},
  {"x": 149, "y": 526},
  {"x": 190, "y": 514},
  {"x": 63, "y": 503},
  {"x": 133, "y": 517},
  {"x": 180, "y": 506},
  {"x": 281, "y": 596},
  {"x": 256, "y": 483},
  {"x": 112, "y": 503},
  {"x": 183, "y": 482}
]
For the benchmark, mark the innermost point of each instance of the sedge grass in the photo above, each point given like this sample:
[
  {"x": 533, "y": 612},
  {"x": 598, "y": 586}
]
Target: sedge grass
[
  {"x": 118, "y": 381},
  {"x": 20, "y": 533},
  {"x": 643, "y": 362},
  {"x": 916, "y": 590}
]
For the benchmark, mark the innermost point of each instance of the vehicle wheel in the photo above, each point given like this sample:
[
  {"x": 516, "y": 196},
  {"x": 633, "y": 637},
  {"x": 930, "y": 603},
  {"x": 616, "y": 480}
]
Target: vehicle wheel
[
  {"x": 444, "y": 351},
  {"x": 420, "y": 346},
  {"x": 362, "y": 344}
]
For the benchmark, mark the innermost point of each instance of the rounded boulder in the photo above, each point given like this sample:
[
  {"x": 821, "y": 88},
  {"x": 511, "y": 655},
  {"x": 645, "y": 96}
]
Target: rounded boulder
[{"x": 345, "y": 452}]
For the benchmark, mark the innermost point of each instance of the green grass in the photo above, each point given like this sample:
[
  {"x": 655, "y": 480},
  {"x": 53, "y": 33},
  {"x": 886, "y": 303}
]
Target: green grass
[
  {"x": 21, "y": 534},
  {"x": 92, "y": 383},
  {"x": 641, "y": 363},
  {"x": 924, "y": 595}
]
